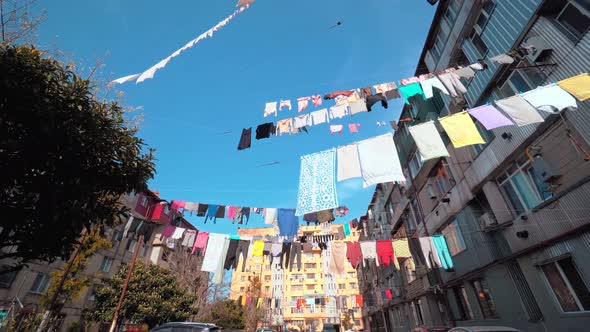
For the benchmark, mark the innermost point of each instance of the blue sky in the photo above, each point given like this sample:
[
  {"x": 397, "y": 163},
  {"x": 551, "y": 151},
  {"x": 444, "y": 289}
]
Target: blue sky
[{"x": 275, "y": 49}]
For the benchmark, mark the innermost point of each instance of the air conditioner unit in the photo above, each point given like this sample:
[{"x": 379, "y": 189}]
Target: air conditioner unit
[
  {"x": 487, "y": 220},
  {"x": 538, "y": 49}
]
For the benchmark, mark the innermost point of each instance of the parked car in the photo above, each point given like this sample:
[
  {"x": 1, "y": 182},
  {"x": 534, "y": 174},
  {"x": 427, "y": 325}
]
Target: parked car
[
  {"x": 186, "y": 327},
  {"x": 264, "y": 329},
  {"x": 484, "y": 329},
  {"x": 431, "y": 329}
]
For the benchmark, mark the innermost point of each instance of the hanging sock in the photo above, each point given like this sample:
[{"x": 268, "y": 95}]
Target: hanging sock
[
  {"x": 317, "y": 188},
  {"x": 461, "y": 130},
  {"x": 489, "y": 117},
  {"x": 428, "y": 140},
  {"x": 578, "y": 86},
  {"x": 245, "y": 139},
  {"x": 411, "y": 90},
  {"x": 271, "y": 108},
  {"x": 285, "y": 103},
  {"x": 336, "y": 129},
  {"x": 430, "y": 83},
  {"x": 354, "y": 127},
  {"x": 521, "y": 112},
  {"x": 379, "y": 160},
  {"x": 550, "y": 98},
  {"x": 302, "y": 103},
  {"x": 316, "y": 100}
]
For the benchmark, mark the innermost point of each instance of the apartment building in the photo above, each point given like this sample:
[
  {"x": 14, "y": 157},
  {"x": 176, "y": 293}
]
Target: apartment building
[
  {"x": 282, "y": 288},
  {"x": 514, "y": 211},
  {"x": 25, "y": 287}
]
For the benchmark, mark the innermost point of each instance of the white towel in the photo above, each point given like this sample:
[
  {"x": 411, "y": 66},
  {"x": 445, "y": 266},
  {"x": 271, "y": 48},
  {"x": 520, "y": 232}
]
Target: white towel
[
  {"x": 428, "y": 84},
  {"x": 428, "y": 140},
  {"x": 302, "y": 121},
  {"x": 215, "y": 252},
  {"x": 348, "y": 162},
  {"x": 219, "y": 271},
  {"x": 429, "y": 251},
  {"x": 550, "y": 97},
  {"x": 178, "y": 233},
  {"x": 337, "y": 112},
  {"x": 320, "y": 116},
  {"x": 519, "y": 110},
  {"x": 379, "y": 160},
  {"x": 270, "y": 108},
  {"x": 270, "y": 215},
  {"x": 369, "y": 250}
]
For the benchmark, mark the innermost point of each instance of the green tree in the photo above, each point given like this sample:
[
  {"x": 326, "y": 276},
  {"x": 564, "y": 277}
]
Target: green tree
[
  {"x": 75, "y": 283},
  {"x": 66, "y": 156},
  {"x": 153, "y": 297},
  {"x": 227, "y": 314},
  {"x": 347, "y": 322}
]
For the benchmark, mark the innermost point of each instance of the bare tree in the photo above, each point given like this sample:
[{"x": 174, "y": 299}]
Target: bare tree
[{"x": 18, "y": 23}]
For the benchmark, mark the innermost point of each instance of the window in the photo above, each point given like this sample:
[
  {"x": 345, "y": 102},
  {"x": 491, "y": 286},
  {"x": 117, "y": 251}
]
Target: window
[
  {"x": 442, "y": 183},
  {"x": 117, "y": 236},
  {"x": 6, "y": 278},
  {"x": 310, "y": 265},
  {"x": 41, "y": 283},
  {"x": 242, "y": 278},
  {"x": 453, "y": 10},
  {"x": 351, "y": 275},
  {"x": 310, "y": 276},
  {"x": 353, "y": 285},
  {"x": 341, "y": 286},
  {"x": 106, "y": 264},
  {"x": 486, "y": 304},
  {"x": 144, "y": 201},
  {"x": 417, "y": 312},
  {"x": 131, "y": 245},
  {"x": 567, "y": 285},
  {"x": 267, "y": 267},
  {"x": 267, "y": 289},
  {"x": 242, "y": 289},
  {"x": 310, "y": 287},
  {"x": 166, "y": 210},
  {"x": 410, "y": 272},
  {"x": 266, "y": 278},
  {"x": 465, "y": 312},
  {"x": 454, "y": 238},
  {"x": 484, "y": 16},
  {"x": 522, "y": 188},
  {"x": 309, "y": 255},
  {"x": 479, "y": 44},
  {"x": 297, "y": 288},
  {"x": 575, "y": 18},
  {"x": 415, "y": 164},
  {"x": 258, "y": 267}
]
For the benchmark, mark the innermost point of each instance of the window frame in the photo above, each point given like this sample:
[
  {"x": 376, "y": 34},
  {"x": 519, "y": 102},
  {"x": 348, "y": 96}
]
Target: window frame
[
  {"x": 484, "y": 12},
  {"x": 479, "y": 44},
  {"x": 453, "y": 227},
  {"x": 526, "y": 169},
  {"x": 567, "y": 282},
  {"x": 487, "y": 299},
  {"x": 45, "y": 281},
  {"x": 460, "y": 294},
  {"x": 111, "y": 260},
  {"x": 572, "y": 33}
]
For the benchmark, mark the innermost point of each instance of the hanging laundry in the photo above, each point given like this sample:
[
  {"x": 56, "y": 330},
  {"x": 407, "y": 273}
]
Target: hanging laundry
[
  {"x": 178, "y": 233},
  {"x": 320, "y": 116},
  {"x": 503, "y": 59},
  {"x": 388, "y": 294},
  {"x": 340, "y": 234},
  {"x": 231, "y": 212},
  {"x": 302, "y": 121},
  {"x": 519, "y": 110},
  {"x": 167, "y": 232},
  {"x": 257, "y": 248},
  {"x": 359, "y": 300},
  {"x": 354, "y": 127},
  {"x": 369, "y": 249},
  {"x": 285, "y": 103},
  {"x": 353, "y": 97},
  {"x": 245, "y": 139},
  {"x": 393, "y": 125},
  {"x": 211, "y": 213},
  {"x": 265, "y": 130},
  {"x": 244, "y": 2},
  {"x": 453, "y": 84},
  {"x": 218, "y": 274},
  {"x": 366, "y": 92},
  {"x": 202, "y": 210},
  {"x": 317, "y": 188},
  {"x": 389, "y": 90},
  {"x": 302, "y": 103},
  {"x": 215, "y": 254},
  {"x": 326, "y": 216},
  {"x": 296, "y": 249},
  {"x": 150, "y": 72},
  {"x": 220, "y": 212},
  {"x": 191, "y": 206},
  {"x": 385, "y": 252},
  {"x": 479, "y": 66},
  {"x": 440, "y": 243},
  {"x": 337, "y": 112},
  {"x": 284, "y": 126},
  {"x": 288, "y": 222},
  {"x": 271, "y": 108},
  {"x": 337, "y": 258},
  {"x": 358, "y": 107},
  {"x": 201, "y": 243},
  {"x": 461, "y": 130},
  {"x": 578, "y": 86},
  {"x": 244, "y": 212},
  {"x": 371, "y": 100},
  {"x": 490, "y": 117},
  {"x": 430, "y": 83},
  {"x": 379, "y": 160},
  {"x": 346, "y": 229},
  {"x": 465, "y": 72},
  {"x": 428, "y": 140},
  {"x": 189, "y": 238},
  {"x": 336, "y": 129},
  {"x": 409, "y": 81},
  {"x": 550, "y": 98},
  {"x": 270, "y": 215},
  {"x": 338, "y": 93},
  {"x": 354, "y": 254},
  {"x": 316, "y": 100},
  {"x": 177, "y": 205},
  {"x": 411, "y": 90},
  {"x": 429, "y": 252}
]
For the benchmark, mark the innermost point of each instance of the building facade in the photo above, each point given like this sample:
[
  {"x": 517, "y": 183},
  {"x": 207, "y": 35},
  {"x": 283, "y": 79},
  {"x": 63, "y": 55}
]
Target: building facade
[
  {"x": 282, "y": 288},
  {"x": 514, "y": 211},
  {"x": 26, "y": 286}
]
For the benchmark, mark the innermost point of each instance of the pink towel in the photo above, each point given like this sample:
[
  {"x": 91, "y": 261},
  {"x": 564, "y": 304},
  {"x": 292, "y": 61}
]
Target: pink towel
[
  {"x": 354, "y": 127},
  {"x": 231, "y": 212}
]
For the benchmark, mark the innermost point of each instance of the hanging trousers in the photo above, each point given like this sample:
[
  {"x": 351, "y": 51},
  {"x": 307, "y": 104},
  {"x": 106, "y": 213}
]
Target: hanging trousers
[
  {"x": 243, "y": 250},
  {"x": 231, "y": 254},
  {"x": 285, "y": 255},
  {"x": 296, "y": 249}
]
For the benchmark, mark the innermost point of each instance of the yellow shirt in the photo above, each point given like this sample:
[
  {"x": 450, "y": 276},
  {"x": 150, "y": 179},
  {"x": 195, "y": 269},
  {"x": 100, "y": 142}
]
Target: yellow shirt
[
  {"x": 257, "y": 248},
  {"x": 578, "y": 86},
  {"x": 461, "y": 130}
]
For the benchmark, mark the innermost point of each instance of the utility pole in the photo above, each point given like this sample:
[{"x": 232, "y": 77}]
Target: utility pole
[
  {"x": 51, "y": 306},
  {"x": 129, "y": 273}
]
